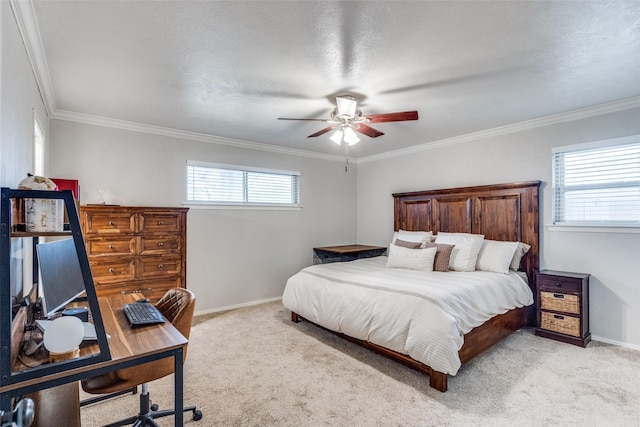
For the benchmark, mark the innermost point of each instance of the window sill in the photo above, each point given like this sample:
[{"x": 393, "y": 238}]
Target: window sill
[
  {"x": 595, "y": 229},
  {"x": 244, "y": 206}
]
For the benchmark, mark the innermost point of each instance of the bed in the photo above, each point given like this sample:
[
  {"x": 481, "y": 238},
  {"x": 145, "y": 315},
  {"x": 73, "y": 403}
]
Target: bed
[{"x": 403, "y": 313}]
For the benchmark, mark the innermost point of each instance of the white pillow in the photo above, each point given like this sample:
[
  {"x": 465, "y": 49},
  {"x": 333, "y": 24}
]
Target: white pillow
[
  {"x": 413, "y": 236},
  {"x": 496, "y": 256},
  {"x": 521, "y": 251},
  {"x": 465, "y": 251},
  {"x": 414, "y": 259}
]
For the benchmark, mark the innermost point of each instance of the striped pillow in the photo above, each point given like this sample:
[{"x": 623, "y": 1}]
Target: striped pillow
[
  {"x": 443, "y": 255},
  {"x": 413, "y": 259}
]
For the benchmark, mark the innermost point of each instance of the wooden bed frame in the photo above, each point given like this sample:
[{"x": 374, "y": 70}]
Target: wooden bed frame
[{"x": 507, "y": 212}]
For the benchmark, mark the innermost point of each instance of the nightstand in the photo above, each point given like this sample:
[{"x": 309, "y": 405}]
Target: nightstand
[
  {"x": 345, "y": 253},
  {"x": 563, "y": 309}
]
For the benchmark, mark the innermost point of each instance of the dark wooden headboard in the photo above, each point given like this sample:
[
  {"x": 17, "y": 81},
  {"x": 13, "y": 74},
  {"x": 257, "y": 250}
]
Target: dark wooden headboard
[{"x": 507, "y": 212}]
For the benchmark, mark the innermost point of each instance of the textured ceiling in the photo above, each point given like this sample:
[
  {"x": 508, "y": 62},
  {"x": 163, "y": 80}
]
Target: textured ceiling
[{"x": 230, "y": 68}]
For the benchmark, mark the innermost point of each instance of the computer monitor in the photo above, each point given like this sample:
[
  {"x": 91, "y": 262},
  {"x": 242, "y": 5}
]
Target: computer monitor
[{"x": 62, "y": 280}]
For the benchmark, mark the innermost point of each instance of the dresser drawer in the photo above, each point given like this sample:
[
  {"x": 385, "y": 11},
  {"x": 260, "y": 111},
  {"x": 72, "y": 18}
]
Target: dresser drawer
[
  {"x": 129, "y": 287},
  {"x": 159, "y": 266},
  {"x": 111, "y": 246},
  {"x": 560, "y": 302},
  {"x": 560, "y": 284},
  {"x": 109, "y": 223},
  {"x": 567, "y": 325},
  {"x": 159, "y": 222},
  {"x": 159, "y": 245},
  {"x": 105, "y": 271},
  {"x": 152, "y": 289}
]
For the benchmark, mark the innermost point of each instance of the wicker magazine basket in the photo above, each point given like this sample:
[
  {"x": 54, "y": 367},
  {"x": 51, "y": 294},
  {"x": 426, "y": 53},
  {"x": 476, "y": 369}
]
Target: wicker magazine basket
[
  {"x": 560, "y": 302},
  {"x": 563, "y": 324}
]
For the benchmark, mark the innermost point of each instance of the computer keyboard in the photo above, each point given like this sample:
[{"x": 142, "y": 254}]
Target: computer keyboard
[{"x": 142, "y": 313}]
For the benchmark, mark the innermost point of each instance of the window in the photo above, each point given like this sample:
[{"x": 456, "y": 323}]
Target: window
[
  {"x": 38, "y": 149},
  {"x": 597, "y": 184},
  {"x": 217, "y": 184}
]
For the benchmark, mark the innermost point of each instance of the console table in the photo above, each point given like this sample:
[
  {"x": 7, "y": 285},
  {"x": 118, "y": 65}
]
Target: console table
[{"x": 345, "y": 253}]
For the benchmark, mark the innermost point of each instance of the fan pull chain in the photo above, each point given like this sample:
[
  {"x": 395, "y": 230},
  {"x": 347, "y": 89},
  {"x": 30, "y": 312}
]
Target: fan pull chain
[{"x": 346, "y": 153}]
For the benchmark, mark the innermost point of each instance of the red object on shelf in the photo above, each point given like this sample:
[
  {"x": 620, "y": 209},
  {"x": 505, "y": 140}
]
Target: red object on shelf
[{"x": 68, "y": 184}]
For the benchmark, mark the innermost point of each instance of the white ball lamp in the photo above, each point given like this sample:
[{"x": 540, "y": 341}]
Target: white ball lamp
[{"x": 63, "y": 337}]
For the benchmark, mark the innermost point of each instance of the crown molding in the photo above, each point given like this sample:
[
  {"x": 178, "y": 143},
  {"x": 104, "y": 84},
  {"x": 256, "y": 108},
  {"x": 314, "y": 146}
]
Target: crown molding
[
  {"x": 28, "y": 27},
  {"x": 611, "y": 107},
  {"x": 191, "y": 136},
  {"x": 583, "y": 113}
]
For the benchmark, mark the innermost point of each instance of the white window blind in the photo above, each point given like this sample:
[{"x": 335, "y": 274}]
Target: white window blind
[
  {"x": 597, "y": 184},
  {"x": 213, "y": 183}
]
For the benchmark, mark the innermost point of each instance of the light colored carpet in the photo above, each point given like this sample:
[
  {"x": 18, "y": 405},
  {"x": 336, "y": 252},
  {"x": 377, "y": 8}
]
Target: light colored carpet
[{"x": 254, "y": 367}]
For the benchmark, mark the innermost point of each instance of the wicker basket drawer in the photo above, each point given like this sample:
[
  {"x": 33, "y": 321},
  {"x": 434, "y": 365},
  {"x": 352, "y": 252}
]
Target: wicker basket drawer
[
  {"x": 567, "y": 325},
  {"x": 560, "y": 302}
]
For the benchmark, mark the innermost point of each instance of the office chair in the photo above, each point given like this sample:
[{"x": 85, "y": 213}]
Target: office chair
[{"x": 177, "y": 306}]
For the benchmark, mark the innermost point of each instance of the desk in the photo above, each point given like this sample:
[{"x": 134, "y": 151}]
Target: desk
[{"x": 128, "y": 347}]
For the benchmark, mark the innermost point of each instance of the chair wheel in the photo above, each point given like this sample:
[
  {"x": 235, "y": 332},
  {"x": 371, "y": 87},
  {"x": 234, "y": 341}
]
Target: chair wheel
[
  {"x": 154, "y": 407},
  {"x": 197, "y": 415}
]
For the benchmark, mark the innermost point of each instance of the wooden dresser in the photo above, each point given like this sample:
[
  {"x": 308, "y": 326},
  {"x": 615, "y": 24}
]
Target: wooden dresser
[{"x": 135, "y": 249}]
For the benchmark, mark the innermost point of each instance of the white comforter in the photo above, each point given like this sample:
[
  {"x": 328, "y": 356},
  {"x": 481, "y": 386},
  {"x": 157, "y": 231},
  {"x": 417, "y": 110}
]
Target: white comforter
[{"x": 421, "y": 314}]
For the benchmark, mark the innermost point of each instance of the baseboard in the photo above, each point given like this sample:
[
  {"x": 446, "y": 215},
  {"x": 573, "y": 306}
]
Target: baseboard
[
  {"x": 614, "y": 342},
  {"x": 233, "y": 307}
]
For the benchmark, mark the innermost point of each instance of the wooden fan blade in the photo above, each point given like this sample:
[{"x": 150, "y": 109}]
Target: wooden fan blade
[
  {"x": 311, "y": 120},
  {"x": 367, "y": 130},
  {"x": 393, "y": 117},
  {"x": 321, "y": 132}
]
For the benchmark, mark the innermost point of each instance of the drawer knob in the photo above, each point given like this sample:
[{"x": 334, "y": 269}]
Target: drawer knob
[
  {"x": 557, "y": 316},
  {"x": 160, "y": 244},
  {"x": 558, "y": 295},
  {"x": 110, "y": 246},
  {"x": 112, "y": 223},
  {"x": 558, "y": 284},
  {"x": 160, "y": 265},
  {"x": 160, "y": 222},
  {"x": 111, "y": 270}
]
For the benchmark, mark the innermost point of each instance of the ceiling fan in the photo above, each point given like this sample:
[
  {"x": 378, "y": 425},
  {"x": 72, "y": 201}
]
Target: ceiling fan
[{"x": 347, "y": 119}]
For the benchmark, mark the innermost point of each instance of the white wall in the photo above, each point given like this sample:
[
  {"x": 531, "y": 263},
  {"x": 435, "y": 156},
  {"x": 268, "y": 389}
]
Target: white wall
[
  {"x": 19, "y": 101},
  {"x": 611, "y": 258},
  {"x": 235, "y": 256}
]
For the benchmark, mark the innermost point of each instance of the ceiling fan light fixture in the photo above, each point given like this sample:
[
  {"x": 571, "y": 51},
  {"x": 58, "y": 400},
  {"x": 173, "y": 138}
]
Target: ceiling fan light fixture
[
  {"x": 347, "y": 119},
  {"x": 350, "y": 136},
  {"x": 337, "y": 136}
]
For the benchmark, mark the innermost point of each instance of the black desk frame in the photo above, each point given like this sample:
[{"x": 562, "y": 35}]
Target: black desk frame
[{"x": 99, "y": 369}]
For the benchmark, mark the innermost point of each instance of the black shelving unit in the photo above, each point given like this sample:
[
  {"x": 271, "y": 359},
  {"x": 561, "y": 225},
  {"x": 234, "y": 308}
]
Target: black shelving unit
[{"x": 8, "y": 232}]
